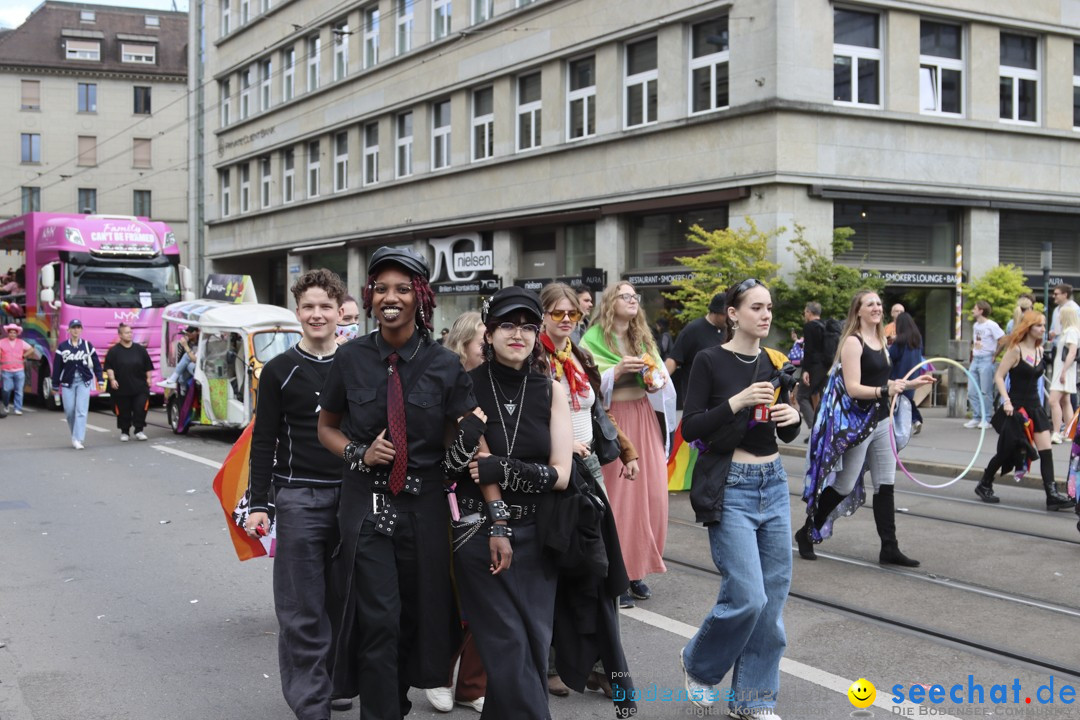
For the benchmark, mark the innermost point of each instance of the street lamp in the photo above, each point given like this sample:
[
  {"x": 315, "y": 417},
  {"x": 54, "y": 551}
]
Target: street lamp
[{"x": 1046, "y": 259}]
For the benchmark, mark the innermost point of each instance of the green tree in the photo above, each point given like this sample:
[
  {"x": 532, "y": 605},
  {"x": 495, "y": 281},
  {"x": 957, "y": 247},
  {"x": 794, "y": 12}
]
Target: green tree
[
  {"x": 730, "y": 255},
  {"x": 821, "y": 279},
  {"x": 1000, "y": 286}
]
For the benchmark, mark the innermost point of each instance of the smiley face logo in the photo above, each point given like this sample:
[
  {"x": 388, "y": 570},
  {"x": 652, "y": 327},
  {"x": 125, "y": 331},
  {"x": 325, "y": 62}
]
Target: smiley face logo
[{"x": 862, "y": 693}]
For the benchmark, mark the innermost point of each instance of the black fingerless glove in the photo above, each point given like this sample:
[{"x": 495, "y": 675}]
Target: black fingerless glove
[
  {"x": 465, "y": 445},
  {"x": 517, "y": 476}
]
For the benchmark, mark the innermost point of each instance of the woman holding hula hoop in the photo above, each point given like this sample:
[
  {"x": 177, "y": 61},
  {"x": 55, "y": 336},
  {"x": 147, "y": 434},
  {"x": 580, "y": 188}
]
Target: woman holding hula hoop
[
  {"x": 1024, "y": 364},
  {"x": 853, "y": 431}
]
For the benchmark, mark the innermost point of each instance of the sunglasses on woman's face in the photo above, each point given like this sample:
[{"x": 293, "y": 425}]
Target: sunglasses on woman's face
[{"x": 560, "y": 315}]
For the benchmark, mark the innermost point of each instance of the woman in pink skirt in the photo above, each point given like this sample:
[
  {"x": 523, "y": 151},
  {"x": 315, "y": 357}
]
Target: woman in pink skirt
[{"x": 632, "y": 374}]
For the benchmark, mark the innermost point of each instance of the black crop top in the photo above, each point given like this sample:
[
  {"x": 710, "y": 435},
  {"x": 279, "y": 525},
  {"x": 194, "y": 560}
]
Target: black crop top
[
  {"x": 718, "y": 375},
  {"x": 875, "y": 368}
]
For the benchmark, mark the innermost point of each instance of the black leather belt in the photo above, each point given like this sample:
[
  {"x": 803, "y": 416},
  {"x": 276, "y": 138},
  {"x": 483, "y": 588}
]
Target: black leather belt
[{"x": 517, "y": 512}]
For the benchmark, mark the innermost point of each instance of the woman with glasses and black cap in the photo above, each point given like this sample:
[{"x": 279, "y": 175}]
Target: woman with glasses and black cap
[
  {"x": 740, "y": 493},
  {"x": 632, "y": 375},
  {"x": 505, "y": 580},
  {"x": 389, "y": 400}
]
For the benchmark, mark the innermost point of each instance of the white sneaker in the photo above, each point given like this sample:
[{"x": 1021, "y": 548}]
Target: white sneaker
[
  {"x": 124, "y": 437},
  {"x": 704, "y": 696},
  {"x": 1056, "y": 439},
  {"x": 754, "y": 714},
  {"x": 141, "y": 436},
  {"x": 441, "y": 698},
  {"x": 972, "y": 423},
  {"x": 167, "y": 383},
  {"x": 477, "y": 704},
  {"x": 76, "y": 444},
  {"x": 984, "y": 425}
]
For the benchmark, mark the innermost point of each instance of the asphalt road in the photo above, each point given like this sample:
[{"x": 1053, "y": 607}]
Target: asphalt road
[{"x": 120, "y": 596}]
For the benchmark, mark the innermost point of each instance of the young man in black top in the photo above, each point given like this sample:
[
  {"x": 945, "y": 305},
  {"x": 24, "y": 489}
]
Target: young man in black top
[
  {"x": 129, "y": 367},
  {"x": 389, "y": 401},
  {"x": 699, "y": 334},
  {"x": 815, "y": 366},
  {"x": 306, "y": 480}
]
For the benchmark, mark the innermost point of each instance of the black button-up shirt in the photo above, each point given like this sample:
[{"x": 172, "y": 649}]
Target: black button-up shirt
[{"x": 356, "y": 388}]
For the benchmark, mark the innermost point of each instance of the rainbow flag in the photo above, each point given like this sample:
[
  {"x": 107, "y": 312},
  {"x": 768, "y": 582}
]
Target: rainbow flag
[
  {"x": 680, "y": 464},
  {"x": 230, "y": 485}
]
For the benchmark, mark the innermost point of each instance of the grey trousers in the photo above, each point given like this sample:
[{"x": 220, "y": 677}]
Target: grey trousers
[{"x": 876, "y": 451}]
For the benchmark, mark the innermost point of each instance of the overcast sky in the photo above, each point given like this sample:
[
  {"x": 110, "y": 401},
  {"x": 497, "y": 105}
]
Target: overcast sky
[{"x": 14, "y": 12}]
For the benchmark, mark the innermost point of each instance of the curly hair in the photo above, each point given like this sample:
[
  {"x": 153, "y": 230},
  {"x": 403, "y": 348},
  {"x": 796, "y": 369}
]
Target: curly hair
[
  {"x": 328, "y": 280},
  {"x": 638, "y": 332},
  {"x": 425, "y": 297}
]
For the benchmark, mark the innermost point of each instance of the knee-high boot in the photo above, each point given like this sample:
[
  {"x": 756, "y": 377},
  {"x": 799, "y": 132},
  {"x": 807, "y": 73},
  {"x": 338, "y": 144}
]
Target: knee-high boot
[
  {"x": 826, "y": 503},
  {"x": 885, "y": 519},
  {"x": 1054, "y": 499},
  {"x": 985, "y": 488}
]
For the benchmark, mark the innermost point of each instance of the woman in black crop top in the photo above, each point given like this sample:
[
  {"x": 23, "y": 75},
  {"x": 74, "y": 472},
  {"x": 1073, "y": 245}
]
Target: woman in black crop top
[
  {"x": 864, "y": 361},
  {"x": 506, "y": 582},
  {"x": 741, "y": 495},
  {"x": 1023, "y": 362}
]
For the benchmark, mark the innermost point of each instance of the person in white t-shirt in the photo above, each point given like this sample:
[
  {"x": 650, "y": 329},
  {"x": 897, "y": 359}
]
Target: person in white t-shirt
[
  {"x": 1062, "y": 297},
  {"x": 986, "y": 335},
  {"x": 1063, "y": 379}
]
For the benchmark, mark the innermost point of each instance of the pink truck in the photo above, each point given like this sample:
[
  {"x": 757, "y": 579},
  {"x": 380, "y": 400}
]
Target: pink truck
[{"x": 101, "y": 269}]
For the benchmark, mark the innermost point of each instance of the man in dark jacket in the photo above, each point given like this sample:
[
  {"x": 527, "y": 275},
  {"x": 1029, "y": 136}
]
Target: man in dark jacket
[{"x": 815, "y": 366}]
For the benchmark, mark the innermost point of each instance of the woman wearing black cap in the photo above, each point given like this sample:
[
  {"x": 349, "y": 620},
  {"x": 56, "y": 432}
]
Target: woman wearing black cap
[
  {"x": 386, "y": 407},
  {"x": 506, "y": 583}
]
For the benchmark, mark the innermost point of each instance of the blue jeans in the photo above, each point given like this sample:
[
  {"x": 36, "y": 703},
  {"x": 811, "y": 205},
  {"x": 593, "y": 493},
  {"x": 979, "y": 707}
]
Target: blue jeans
[
  {"x": 982, "y": 367},
  {"x": 13, "y": 381},
  {"x": 751, "y": 547},
  {"x": 183, "y": 370},
  {"x": 76, "y": 404}
]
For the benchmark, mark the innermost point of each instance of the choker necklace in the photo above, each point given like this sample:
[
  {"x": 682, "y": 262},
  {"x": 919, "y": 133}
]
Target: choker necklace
[
  {"x": 317, "y": 356},
  {"x": 510, "y": 441}
]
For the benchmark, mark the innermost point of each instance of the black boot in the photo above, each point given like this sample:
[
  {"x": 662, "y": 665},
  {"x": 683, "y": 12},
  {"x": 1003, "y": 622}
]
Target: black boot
[
  {"x": 826, "y": 503},
  {"x": 885, "y": 519},
  {"x": 1054, "y": 499},
  {"x": 985, "y": 488}
]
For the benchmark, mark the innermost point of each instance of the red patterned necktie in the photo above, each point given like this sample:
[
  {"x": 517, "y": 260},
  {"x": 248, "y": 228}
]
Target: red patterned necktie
[{"x": 395, "y": 410}]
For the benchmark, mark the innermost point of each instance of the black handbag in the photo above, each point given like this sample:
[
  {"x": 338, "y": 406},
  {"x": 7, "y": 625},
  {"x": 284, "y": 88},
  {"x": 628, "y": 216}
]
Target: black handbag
[{"x": 605, "y": 436}]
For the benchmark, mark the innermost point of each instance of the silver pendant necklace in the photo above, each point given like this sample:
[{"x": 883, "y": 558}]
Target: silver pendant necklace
[
  {"x": 510, "y": 441},
  {"x": 509, "y": 403}
]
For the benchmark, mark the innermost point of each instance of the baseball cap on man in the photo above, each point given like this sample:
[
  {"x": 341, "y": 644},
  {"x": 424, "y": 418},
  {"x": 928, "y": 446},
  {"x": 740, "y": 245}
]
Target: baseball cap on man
[
  {"x": 716, "y": 305},
  {"x": 76, "y": 322}
]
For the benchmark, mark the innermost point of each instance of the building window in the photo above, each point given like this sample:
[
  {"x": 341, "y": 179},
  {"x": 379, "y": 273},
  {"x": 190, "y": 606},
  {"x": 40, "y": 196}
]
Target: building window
[
  {"x": 896, "y": 236},
  {"x": 265, "y": 5},
  {"x": 31, "y": 199},
  {"x": 1019, "y": 78},
  {"x": 264, "y": 182},
  {"x": 581, "y": 100},
  {"x": 288, "y": 175},
  {"x": 247, "y": 79},
  {"x": 641, "y": 83},
  {"x": 31, "y": 95},
  {"x": 528, "y": 112},
  {"x": 225, "y": 91},
  {"x": 1022, "y": 234},
  {"x": 404, "y": 140},
  {"x": 87, "y": 97},
  {"x": 709, "y": 55},
  {"x": 483, "y": 124},
  {"x": 482, "y": 10},
  {"x": 223, "y": 183},
  {"x": 153, "y": 21},
  {"x": 245, "y": 11},
  {"x": 1076, "y": 86},
  {"x": 313, "y": 169},
  {"x": 523, "y": 3},
  {"x": 440, "y": 19},
  {"x": 341, "y": 161},
  {"x": 941, "y": 68},
  {"x": 140, "y": 153},
  {"x": 245, "y": 187},
  {"x": 440, "y": 135},
  {"x": 371, "y": 153},
  {"x": 141, "y": 203},
  {"x": 403, "y": 38},
  {"x": 371, "y": 36},
  {"x": 87, "y": 16},
  {"x": 341, "y": 50},
  {"x": 31, "y": 147},
  {"x": 313, "y": 63},
  {"x": 657, "y": 240},
  {"x": 266, "y": 75},
  {"x": 288, "y": 75},
  {"x": 226, "y": 18},
  {"x": 87, "y": 200},
  {"x": 856, "y": 57},
  {"x": 87, "y": 150},
  {"x": 82, "y": 50},
  {"x": 142, "y": 100},
  {"x": 145, "y": 54}
]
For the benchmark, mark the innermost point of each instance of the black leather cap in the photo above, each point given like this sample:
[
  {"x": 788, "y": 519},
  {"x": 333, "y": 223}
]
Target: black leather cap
[
  {"x": 409, "y": 259},
  {"x": 514, "y": 298}
]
